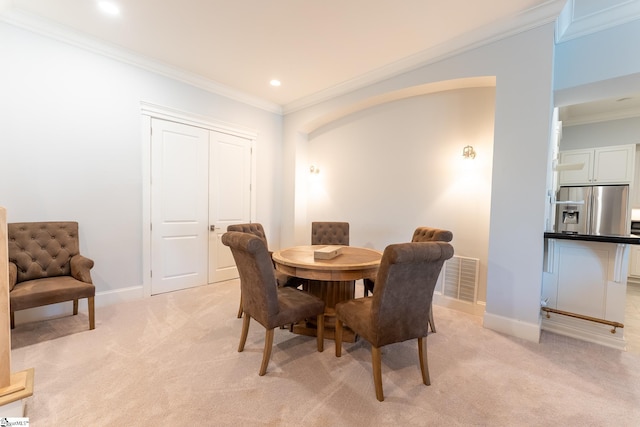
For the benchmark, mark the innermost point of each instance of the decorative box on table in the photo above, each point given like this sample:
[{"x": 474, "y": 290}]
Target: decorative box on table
[{"x": 327, "y": 252}]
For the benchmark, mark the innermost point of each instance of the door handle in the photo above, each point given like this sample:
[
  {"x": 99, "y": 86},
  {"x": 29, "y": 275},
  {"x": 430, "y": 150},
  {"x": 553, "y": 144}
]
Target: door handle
[{"x": 212, "y": 228}]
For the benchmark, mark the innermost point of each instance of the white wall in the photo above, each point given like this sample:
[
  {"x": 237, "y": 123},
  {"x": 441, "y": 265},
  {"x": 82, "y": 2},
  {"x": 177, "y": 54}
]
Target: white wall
[
  {"x": 601, "y": 134},
  {"x": 70, "y": 132},
  {"x": 396, "y": 166},
  {"x": 589, "y": 62},
  {"x": 522, "y": 65}
]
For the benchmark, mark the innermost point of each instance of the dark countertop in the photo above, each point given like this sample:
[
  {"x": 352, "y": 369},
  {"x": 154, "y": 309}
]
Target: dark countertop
[{"x": 631, "y": 239}]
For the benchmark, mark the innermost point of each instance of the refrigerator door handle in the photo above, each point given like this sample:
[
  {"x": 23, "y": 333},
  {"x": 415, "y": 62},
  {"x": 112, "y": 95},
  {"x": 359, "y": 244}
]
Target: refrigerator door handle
[{"x": 590, "y": 198}]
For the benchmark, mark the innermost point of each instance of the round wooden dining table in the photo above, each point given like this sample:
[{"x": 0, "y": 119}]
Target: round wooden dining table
[{"x": 332, "y": 280}]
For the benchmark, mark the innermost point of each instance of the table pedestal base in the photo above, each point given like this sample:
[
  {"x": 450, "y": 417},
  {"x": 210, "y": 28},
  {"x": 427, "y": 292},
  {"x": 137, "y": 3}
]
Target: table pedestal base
[{"x": 331, "y": 293}]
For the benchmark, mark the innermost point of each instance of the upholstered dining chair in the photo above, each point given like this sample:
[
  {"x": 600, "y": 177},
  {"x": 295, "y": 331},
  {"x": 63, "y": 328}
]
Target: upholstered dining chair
[
  {"x": 420, "y": 234},
  {"x": 271, "y": 305},
  {"x": 330, "y": 233},
  {"x": 257, "y": 229},
  {"x": 400, "y": 305}
]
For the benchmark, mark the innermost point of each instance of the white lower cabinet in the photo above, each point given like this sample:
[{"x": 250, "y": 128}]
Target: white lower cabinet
[{"x": 588, "y": 279}]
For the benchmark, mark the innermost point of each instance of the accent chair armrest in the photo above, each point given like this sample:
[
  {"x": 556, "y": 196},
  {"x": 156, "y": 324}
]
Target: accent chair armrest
[
  {"x": 13, "y": 275},
  {"x": 80, "y": 268}
]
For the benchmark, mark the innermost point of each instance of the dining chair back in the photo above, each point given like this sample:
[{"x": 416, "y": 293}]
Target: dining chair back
[{"x": 330, "y": 233}]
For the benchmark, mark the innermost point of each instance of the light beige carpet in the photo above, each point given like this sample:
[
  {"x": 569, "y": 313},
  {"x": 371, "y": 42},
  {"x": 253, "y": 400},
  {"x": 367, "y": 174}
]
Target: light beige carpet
[{"x": 171, "y": 360}]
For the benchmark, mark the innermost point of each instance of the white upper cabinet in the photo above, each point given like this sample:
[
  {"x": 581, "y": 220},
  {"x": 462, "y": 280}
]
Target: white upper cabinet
[{"x": 604, "y": 165}]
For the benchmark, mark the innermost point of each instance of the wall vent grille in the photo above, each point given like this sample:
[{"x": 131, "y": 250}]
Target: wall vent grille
[{"x": 461, "y": 279}]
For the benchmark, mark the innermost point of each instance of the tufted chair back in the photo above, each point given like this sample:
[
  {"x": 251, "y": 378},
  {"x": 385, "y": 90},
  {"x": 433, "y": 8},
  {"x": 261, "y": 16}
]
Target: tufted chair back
[
  {"x": 252, "y": 228},
  {"x": 330, "y": 233},
  {"x": 428, "y": 234},
  {"x": 42, "y": 249}
]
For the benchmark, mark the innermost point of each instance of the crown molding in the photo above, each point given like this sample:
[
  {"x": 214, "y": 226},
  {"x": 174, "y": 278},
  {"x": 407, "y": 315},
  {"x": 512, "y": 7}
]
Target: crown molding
[
  {"x": 172, "y": 114},
  {"x": 66, "y": 35},
  {"x": 605, "y": 116},
  {"x": 525, "y": 21},
  {"x": 571, "y": 27}
]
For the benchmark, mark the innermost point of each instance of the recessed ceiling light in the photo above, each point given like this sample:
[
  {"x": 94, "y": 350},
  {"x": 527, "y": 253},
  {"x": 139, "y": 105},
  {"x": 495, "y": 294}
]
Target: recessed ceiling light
[
  {"x": 275, "y": 82},
  {"x": 109, "y": 8}
]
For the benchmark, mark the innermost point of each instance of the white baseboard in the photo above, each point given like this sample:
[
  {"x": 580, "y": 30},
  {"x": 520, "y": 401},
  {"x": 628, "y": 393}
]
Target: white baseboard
[
  {"x": 513, "y": 327},
  {"x": 131, "y": 293},
  {"x": 476, "y": 309},
  {"x": 102, "y": 299}
]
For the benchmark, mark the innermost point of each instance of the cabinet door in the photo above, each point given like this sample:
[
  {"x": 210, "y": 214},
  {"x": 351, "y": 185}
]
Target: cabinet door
[
  {"x": 583, "y": 275},
  {"x": 613, "y": 164},
  {"x": 579, "y": 175},
  {"x": 635, "y": 185}
]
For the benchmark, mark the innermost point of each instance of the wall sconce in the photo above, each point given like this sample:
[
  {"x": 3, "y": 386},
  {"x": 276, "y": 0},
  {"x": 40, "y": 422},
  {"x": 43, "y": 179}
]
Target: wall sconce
[
  {"x": 468, "y": 152},
  {"x": 314, "y": 170}
]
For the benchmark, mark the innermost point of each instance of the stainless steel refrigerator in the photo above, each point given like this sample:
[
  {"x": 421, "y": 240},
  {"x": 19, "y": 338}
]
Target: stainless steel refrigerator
[{"x": 595, "y": 210}]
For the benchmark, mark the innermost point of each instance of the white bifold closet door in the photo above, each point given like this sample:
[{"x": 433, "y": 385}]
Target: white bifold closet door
[{"x": 200, "y": 182}]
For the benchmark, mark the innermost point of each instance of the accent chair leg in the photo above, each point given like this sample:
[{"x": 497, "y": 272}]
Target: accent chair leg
[
  {"x": 75, "y": 307},
  {"x": 424, "y": 363},
  {"x": 338, "y": 338},
  {"x": 320, "y": 331},
  {"x": 266, "y": 355},
  {"x": 376, "y": 364},
  {"x": 245, "y": 331},
  {"x": 240, "y": 310},
  {"x": 431, "y": 324},
  {"x": 13, "y": 320},
  {"x": 92, "y": 311}
]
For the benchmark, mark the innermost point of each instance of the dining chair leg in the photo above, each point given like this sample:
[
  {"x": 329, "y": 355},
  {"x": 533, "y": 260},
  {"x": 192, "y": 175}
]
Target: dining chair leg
[
  {"x": 338, "y": 337},
  {"x": 266, "y": 355},
  {"x": 320, "y": 332},
  {"x": 376, "y": 364},
  {"x": 431, "y": 324},
  {"x": 13, "y": 320},
  {"x": 240, "y": 308},
  {"x": 75, "y": 307},
  {"x": 245, "y": 331},
  {"x": 424, "y": 362}
]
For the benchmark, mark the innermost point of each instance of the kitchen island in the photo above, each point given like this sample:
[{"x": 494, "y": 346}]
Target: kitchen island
[{"x": 586, "y": 275}]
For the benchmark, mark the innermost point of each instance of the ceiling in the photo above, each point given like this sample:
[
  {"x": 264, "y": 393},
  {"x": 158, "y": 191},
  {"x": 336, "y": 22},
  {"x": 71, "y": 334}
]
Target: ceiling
[
  {"x": 602, "y": 110},
  {"x": 314, "y": 47}
]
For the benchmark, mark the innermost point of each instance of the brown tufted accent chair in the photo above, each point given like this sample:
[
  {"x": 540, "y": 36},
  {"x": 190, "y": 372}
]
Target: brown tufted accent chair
[
  {"x": 397, "y": 310},
  {"x": 421, "y": 234},
  {"x": 257, "y": 229},
  {"x": 330, "y": 233},
  {"x": 45, "y": 267},
  {"x": 271, "y": 305}
]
